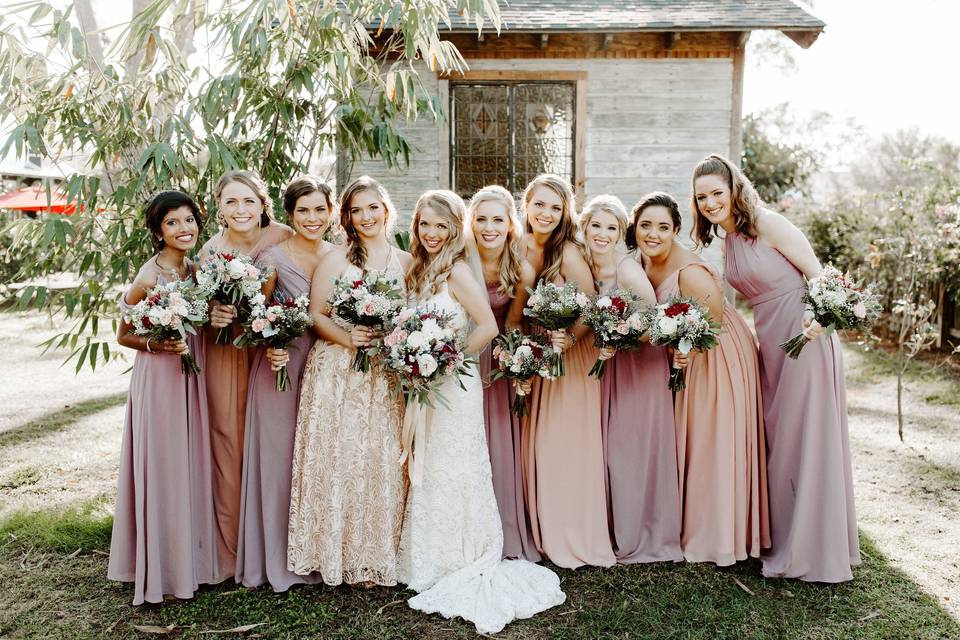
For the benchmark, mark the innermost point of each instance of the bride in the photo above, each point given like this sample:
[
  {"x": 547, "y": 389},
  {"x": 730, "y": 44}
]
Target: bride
[{"x": 451, "y": 543}]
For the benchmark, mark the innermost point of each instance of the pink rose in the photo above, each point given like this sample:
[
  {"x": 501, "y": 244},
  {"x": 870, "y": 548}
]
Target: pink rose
[
  {"x": 622, "y": 328},
  {"x": 405, "y": 315},
  {"x": 271, "y": 316},
  {"x": 258, "y": 325},
  {"x": 859, "y": 310},
  {"x": 252, "y": 271},
  {"x": 395, "y": 337},
  {"x": 369, "y": 309}
]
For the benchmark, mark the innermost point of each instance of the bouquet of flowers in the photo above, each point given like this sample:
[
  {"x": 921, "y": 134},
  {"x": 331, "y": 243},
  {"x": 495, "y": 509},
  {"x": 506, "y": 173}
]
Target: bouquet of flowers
[
  {"x": 422, "y": 348},
  {"x": 373, "y": 300},
  {"x": 618, "y": 320},
  {"x": 231, "y": 278},
  {"x": 519, "y": 357},
  {"x": 837, "y": 303},
  {"x": 684, "y": 325},
  {"x": 275, "y": 325},
  {"x": 555, "y": 307},
  {"x": 169, "y": 312}
]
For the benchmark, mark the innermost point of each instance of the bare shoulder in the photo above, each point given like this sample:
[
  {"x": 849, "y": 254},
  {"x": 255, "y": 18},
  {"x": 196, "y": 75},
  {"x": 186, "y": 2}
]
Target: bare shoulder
[
  {"x": 280, "y": 231},
  {"x": 572, "y": 252},
  {"x": 773, "y": 223},
  {"x": 697, "y": 279},
  {"x": 405, "y": 258},
  {"x": 461, "y": 273},
  {"x": 528, "y": 275},
  {"x": 210, "y": 247}
]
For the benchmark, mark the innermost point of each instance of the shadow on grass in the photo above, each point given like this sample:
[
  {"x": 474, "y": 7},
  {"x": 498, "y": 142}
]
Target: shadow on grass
[
  {"x": 59, "y": 419},
  {"x": 71, "y": 596}
]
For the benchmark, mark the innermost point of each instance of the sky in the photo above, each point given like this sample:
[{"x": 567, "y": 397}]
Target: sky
[{"x": 890, "y": 64}]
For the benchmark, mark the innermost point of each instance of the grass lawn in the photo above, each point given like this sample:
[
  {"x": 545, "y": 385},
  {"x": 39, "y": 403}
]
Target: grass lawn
[{"x": 59, "y": 442}]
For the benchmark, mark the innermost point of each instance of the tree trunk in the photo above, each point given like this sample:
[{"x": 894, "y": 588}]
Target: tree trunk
[{"x": 88, "y": 24}]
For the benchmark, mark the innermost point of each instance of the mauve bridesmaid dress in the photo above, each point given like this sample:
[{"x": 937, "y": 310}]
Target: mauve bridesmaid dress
[
  {"x": 164, "y": 534},
  {"x": 503, "y": 441},
  {"x": 640, "y": 449},
  {"x": 720, "y": 444},
  {"x": 271, "y": 425},
  {"x": 812, "y": 520}
]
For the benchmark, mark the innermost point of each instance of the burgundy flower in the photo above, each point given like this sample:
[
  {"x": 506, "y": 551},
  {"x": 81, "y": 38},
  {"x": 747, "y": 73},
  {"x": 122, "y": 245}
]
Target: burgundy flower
[
  {"x": 619, "y": 304},
  {"x": 677, "y": 309}
]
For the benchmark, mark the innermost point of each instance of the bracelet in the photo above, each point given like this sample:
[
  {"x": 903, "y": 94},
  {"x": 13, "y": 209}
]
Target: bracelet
[
  {"x": 149, "y": 350},
  {"x": 573, "y": 338}
]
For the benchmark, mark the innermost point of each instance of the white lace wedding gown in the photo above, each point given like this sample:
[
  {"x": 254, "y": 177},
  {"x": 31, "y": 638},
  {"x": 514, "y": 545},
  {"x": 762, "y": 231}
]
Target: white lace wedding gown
[{"x": 452, "y": 538}]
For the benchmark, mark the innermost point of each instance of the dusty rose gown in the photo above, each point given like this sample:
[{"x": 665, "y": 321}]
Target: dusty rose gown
[
  {"x": 268, "y": 449},
  {"x": 503, "y": 440},
  {"x": 227, "y": 373},
  {"x": 164, "y": 533},
  {"x": 564, "y": 468},
  {"x": 640, "y": 448},
  {"x": 812, "y": 519},
  {"x": 720, "y": 444}
]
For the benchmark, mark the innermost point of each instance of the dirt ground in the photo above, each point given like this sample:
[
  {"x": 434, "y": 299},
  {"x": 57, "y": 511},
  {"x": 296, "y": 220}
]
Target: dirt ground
[{"x": 60, "y": 441}]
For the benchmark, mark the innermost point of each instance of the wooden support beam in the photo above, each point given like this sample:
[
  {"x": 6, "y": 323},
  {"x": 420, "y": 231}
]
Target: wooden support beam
[
  {"x": 544, "y": 40},
  {"x": 803, "y": 38}
]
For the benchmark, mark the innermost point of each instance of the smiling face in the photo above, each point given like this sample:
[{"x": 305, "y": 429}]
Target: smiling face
[
  {"x": 602, "y": 232},
  {"x": 712, "y": 195},
  {"x": 433, "y": 230},
  {"x": 367, "y": 214},
  {"x": 179, "y": 229},
  {"x": 544, "y": 210},
  {"x": 655, "y": 231},
  {"x": 491, "y": 225},
  {"x": 240, "y": 207},
  {"x": 311, "y": 215}
]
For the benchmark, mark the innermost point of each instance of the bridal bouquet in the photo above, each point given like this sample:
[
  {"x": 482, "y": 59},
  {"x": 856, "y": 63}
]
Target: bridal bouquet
[
  {"x": 424, "y": 347},
  {"x": 519, "y": 357},
  {"x": 169, "y": 312},
  {"x": 230, "y": 278},
  {"x": 555, "y": 307},
  {"x": 618, "y": 319},
  {"x": 837, "y": 303},
  {"x": 275, "y": 325},
  {"x": 372, "y": 300},
  {"x": 683, "y": 324}
]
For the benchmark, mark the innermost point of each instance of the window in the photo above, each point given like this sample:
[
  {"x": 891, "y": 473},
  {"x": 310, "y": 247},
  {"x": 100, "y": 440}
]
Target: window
[{"x": 507, "y": 133}]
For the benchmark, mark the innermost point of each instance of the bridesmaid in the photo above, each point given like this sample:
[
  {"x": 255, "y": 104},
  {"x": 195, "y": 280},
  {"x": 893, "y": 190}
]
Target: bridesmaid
[
  {"x": 245, "y": 213},
  {"x": 348, "y": 489},
  {"x": 563, "y": 447},
  {"x": 639, "y": 443},
  {"x": 163, "y": 527},
  {"x": 498, "y": 237},
  {"x": 271, "y": 414},
  {"x": 812, "y": 519},
  {"x": 720, "y": 444}
]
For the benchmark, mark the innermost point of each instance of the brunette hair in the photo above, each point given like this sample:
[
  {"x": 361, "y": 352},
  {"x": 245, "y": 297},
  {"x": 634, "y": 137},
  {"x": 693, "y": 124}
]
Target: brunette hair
[
  {"x": 744, "y": 200},
  {"x": 356, "y": 252},
  {"x": 158, "y": 208},
  {"x": 566, "y": 230},
  {"x": 511, "y": 258},
  {"x": 432, "y": 272},
  {"x": 256, "y": 184},
  {"x": 655, "y": 199}
]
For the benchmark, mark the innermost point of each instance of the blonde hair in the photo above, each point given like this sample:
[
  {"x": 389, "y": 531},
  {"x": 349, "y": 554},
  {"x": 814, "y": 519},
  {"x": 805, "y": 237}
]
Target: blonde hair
[
  {"x": 356, "y": 252},
  {"x": 510, "y": 259},
  {"x": 434, "y": 271},
  {"x": 744, "y": 200},
  {"x": 566, "y": 230},
  {"x": 604, "y": 203},
  {"x": 255, "y": 183}
]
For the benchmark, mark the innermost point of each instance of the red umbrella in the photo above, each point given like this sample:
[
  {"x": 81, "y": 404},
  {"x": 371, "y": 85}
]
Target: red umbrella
[{"x": 35, "y": 199}]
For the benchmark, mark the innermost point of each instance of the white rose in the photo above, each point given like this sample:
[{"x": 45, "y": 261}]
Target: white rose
[
  {"x": 432, "y": 329},
  {"x": 258, "y": 299},
  {"x": 426, "y": 363},
  {"x": 667, "y": 325},
  {"x": 604, "y": 302},
  {"x": 524, "y": 352},
  {"x": 236, "y": 269},
  {"x": 416, "y": 340}
]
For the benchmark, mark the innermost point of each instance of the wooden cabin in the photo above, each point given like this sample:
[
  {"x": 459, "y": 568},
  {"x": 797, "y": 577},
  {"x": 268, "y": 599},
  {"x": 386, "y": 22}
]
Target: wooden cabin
[{"x": 619, "y": 96}]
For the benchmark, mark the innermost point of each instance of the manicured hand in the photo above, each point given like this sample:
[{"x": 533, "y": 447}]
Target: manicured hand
[
  {"x": 175, "y": 346},
  {"x": 523, "y": 386},
  {"x": 221, "y": 315},
  {"x": 811, "y": 328},
  {"x": 278, "y": 358},
  {"x": 561, "y": 340},
  {"x": 680, "y": 360},
  {"x": 361, "y": 336},
  {"x": 607, "y": 352}
]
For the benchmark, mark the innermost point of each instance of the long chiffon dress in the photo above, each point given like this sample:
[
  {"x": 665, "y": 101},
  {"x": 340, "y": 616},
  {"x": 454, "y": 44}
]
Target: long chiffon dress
[
  {"x": 164, "y": 533},
  {"x": 564, "y": 467},
  {"x": 720, "y": 444},
  {"x": 813, "y": 524},
  {"x": 640, "y": 449},
  {"x": 268, "y": 449},
  {"x": 227, "y": 374},
  {"x": 504, "y": 432},
  {"x": 348, "y": 487}
]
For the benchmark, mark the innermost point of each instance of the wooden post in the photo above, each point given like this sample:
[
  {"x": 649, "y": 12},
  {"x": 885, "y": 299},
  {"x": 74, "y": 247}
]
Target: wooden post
[{"x": 736, "y": 103}]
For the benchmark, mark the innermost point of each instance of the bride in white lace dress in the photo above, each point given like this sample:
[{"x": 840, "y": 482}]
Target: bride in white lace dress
[{"x": 451, "y": 543}]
